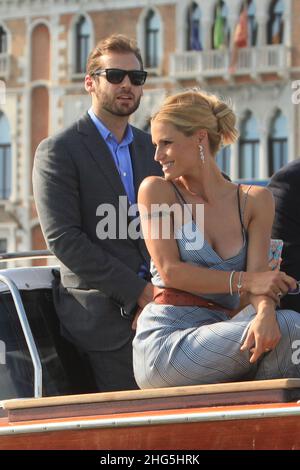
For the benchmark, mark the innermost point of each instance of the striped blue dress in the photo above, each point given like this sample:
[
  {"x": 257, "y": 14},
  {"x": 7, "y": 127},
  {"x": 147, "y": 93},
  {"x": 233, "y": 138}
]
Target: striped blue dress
[{"x": 193, "y": 345}]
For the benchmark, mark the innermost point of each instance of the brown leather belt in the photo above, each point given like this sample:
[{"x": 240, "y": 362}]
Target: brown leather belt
[{"x": 180, "y": 298}]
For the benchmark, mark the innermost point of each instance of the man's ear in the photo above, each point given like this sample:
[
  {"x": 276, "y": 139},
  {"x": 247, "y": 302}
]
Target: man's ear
[{"x": 89, "y": 84}]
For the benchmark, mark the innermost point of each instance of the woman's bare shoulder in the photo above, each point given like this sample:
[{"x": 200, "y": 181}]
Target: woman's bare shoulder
[
  {"x": 156, "y": 189},
  {"x": 260, "y": 201},
  {"x": 257, "y": 193}
]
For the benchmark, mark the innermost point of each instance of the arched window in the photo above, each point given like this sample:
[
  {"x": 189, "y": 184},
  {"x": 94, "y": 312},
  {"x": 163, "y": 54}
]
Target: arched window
[
  {"x": 3, "y": 40},
  {"x": 82, "y": 47},
  {"x": 5, "y": 158},
  {"x": 252, "y": 23},
  {"x": 152, "y": 32},
  {"x": 223, "y": 159},
  {"x": 220, "y": 30},
  {"x": 40, "y": 52},
  {"x": 249, "y": 148},
  {"x": 194, "y": 36},
  {"x": 275, "y": 23},
  {"x": 278, "y": 143}
]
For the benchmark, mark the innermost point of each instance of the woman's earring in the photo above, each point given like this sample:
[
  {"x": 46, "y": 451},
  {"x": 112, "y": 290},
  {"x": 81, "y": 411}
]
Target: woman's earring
[{"x": 201, "y": 150}]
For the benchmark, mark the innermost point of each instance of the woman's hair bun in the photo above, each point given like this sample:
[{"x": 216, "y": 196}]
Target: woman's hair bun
[{"x": 226, "y": 122}]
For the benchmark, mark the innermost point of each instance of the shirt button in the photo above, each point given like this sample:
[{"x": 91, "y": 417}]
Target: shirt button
[{"x": 124, "y": 174}]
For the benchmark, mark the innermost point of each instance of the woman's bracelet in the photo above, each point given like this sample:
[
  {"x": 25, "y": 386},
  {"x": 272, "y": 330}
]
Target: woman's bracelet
[
  {"x": 231, "y": 282},
  {"x": 240, "y": 282}
]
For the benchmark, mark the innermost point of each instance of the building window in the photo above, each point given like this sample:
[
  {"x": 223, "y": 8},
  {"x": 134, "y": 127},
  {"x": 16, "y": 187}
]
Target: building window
[
  {"x": 223, "y": 159},
  {"x": 5, "y": 158},
  {"x": 147, "y": 126},
  {"x": 249, "y": 148},
  {"x": 3, "y": 245},
  {"x": 3, "y": 40},
  {"x": 3, "y": 249},
  {"x": 194, "y": 39},
  {"x": 252, "y": 23},
  {"x": 152, "y": 31},
  {"x": 278, "y": 143},
  {"x": 83, "y": 35},
  {"x": 220, "y": 30},
  {"x": 275, "y": 23}
]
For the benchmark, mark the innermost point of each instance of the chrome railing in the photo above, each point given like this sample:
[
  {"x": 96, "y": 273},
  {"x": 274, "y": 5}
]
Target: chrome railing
[
  {"x": 13, "y": 289},
  {"x": 37, "y": 366},
  {"x": 38, "y": 254}
]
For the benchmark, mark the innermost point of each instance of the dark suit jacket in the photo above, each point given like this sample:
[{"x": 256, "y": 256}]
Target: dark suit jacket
[
  {"x": 285, "y": 186},
  {"x": 73, "y": 174}
]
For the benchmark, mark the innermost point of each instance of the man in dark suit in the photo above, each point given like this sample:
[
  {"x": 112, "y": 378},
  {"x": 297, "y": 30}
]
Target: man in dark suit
[
  {"x": 285, "y": 186},
  {"x": 84, "y": 180}
]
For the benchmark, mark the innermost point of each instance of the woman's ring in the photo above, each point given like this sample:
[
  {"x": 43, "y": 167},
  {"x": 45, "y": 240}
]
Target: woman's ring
[{"x": 267, "y": 350}]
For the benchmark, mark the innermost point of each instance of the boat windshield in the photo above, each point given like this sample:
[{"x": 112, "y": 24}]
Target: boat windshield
[{"x": 61, "y": 364}]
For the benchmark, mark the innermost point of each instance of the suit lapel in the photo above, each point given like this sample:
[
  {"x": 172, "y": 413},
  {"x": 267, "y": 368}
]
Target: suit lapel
[
  {"x": 139, "y": 162},
  {"x": 140, "y": 171},
  {"x": 101, "y": 154}
]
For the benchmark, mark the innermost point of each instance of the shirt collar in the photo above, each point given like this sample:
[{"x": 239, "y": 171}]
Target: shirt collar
[{"x": 106, "y": 133}]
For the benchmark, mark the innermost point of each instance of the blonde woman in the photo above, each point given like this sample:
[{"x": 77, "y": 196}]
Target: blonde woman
[{"x": 191, "y": 333}]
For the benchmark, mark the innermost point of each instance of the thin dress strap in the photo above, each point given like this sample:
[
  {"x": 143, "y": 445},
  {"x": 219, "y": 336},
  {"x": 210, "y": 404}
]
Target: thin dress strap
[
  {"x": 178, "y": 194},
  {"x": 242, "y": 210}
]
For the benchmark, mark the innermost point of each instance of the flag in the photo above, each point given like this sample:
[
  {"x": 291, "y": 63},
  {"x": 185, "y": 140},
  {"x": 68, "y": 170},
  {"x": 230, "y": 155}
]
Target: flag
[
  {"x": 240, "y": 38},
  {"x": 195, "y": 44},
  {"x": 241, "y": 30},
  {"x": 277, "y": 31},
  {"x": 219, "y": 29}
]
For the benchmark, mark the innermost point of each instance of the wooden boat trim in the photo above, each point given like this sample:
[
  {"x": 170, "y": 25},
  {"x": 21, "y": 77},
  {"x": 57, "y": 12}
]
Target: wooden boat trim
[
  {"x": 231, "y": 387},
  {"x": 154, "y": 420}
]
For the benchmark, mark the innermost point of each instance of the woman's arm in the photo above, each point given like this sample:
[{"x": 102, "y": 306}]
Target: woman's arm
[
  {"x": 264, "y": 332},
  {"x": 153, "y": 194},
  {"x": 158, "y": 232}
]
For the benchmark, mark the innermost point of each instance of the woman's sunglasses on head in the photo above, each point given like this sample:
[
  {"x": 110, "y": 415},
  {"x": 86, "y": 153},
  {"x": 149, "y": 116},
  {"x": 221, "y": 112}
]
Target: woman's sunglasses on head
[{"x": 116, "y": 76}]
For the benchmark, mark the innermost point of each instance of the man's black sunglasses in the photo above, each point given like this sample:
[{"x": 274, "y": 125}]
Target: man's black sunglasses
[{"x": 116, "y": 76}]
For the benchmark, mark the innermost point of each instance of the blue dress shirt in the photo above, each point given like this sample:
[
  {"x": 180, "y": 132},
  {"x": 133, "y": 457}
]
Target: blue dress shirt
[{"x": 120, "y": 153}]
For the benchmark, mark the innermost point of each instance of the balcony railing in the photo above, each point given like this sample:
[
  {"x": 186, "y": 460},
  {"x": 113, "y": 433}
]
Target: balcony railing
[
  {"x": 273, "y": 59},
  {"x": 215, "y": 63},
  {"x": 222, "y": 63},
  {"x": 186, "y": 64},
  {"x": 5, "y": 62}
]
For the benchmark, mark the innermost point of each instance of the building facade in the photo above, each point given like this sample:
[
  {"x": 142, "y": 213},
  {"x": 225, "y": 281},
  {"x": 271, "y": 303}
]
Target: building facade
[{"x": 43, "y": 49}]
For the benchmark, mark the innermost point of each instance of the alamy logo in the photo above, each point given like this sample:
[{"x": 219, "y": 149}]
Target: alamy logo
[
  {"x": 296, "y": 353},
  {"x": 296, "y": 94},
  {"x": 2, "y": 353},
  {"x": 2, "y": 92},
  {"x": 161, "y": 221}
]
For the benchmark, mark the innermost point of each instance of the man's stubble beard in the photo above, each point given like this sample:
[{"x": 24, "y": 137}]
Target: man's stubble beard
[{"x": 113, "y": 108}]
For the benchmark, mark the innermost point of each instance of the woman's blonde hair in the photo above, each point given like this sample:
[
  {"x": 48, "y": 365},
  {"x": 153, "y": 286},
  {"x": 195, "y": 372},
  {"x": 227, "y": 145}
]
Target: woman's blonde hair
[{"x": 192, "y": 110}]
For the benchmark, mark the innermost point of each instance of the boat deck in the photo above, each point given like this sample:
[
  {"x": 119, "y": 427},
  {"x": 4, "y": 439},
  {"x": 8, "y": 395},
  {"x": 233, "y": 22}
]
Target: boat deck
[{"x": 198, "y": 417}]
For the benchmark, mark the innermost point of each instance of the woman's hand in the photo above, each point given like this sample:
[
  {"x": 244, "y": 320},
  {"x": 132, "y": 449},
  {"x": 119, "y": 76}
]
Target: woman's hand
[
  {"x": 263, "y": 334},
  {"x": 273, "y": 284}
]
